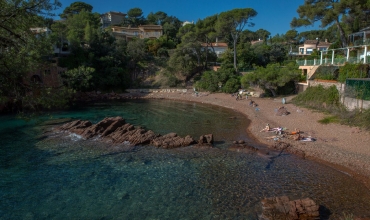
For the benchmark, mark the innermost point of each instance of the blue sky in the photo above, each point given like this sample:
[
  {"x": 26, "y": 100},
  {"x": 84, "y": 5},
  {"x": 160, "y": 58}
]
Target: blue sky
[{"x": 273, "y": 15}]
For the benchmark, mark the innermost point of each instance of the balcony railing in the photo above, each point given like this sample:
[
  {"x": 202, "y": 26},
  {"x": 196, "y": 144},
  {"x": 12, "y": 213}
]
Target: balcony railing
[
  {"x": 361, "y": 42},
  {"x": 336, "y": 61}
]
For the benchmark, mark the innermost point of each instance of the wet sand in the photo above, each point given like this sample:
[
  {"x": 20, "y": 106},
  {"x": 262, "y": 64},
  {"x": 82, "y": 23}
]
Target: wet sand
[{"x": 342, "y": 147}]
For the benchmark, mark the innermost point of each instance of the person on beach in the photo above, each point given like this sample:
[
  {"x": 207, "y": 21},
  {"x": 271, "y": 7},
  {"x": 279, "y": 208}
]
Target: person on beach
[
  {"x": 297, "y": 137},
  {"x": 267, "y": 128},
  {"x": 296, "y": 131}
]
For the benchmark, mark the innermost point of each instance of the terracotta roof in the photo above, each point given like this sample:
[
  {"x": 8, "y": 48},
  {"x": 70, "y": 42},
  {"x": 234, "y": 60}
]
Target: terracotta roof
[{"x": 218, "y": 44}]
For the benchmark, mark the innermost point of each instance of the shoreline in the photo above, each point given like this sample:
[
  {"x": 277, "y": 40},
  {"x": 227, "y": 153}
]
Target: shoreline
[{"x": 343, "y": 148}]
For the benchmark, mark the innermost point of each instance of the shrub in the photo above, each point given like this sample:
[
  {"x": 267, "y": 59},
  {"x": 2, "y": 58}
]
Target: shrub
[
  {"x": 353, "y": 71},
  {"x": 319, "y": 97},
  {"x": 232, "y": 85}
]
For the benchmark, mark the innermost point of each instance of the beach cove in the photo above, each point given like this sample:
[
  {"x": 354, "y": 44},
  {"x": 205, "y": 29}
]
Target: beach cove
[
  {"x": 342, "y": 147},
  {"x": 42, "y": 169}
]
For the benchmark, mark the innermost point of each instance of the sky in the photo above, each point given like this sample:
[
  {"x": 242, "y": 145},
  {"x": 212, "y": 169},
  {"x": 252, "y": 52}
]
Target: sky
[{"x": 273, "y": 15}]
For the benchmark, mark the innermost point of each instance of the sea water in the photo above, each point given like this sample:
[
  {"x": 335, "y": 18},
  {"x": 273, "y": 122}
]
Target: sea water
[{"x": 45, "y": 175}]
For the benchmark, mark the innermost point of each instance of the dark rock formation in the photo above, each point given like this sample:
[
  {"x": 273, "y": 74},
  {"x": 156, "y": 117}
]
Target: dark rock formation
[
  {"x": 116, "y": 130},
  {"x": 171, "y": 140},
  {"x": 281, "y": 208},
  {"x": 206, "y": 139}
]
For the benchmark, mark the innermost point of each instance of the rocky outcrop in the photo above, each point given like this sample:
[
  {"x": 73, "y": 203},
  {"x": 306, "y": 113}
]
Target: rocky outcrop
[
  {"x": 116, "y": 130},
  {"x": 281, "y": 208}
]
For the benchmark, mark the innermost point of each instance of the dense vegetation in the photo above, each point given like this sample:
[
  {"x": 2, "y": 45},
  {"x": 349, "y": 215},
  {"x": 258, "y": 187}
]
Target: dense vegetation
[
  {"x": 181, "y": 56},
  {"x": 328, "y": 100}
]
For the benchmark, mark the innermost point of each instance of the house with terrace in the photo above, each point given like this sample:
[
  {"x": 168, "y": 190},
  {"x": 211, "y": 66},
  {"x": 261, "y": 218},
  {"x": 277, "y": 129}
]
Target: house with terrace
[
  {"x": 141, "y": 32},
  {"x": 310, "y": 45}
]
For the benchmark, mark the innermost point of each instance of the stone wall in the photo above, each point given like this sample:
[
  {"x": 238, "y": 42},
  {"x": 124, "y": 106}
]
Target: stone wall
[
  {"x": 352, "y": 103},
  {"x": 327, "y": 84}
]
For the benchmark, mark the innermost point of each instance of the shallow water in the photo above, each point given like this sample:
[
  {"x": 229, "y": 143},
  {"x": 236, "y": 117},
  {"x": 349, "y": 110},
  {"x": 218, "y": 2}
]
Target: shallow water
[{"x": 64, "y": 177}]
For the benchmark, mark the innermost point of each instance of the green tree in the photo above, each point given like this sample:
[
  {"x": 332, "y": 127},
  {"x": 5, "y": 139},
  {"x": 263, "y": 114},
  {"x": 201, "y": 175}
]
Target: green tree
[
  {"x": 134, "y": 17},
  {"x": 81, "y": 24},
  {"x": 59, "y": 34},
  {"x": 22, "y": 52},
  {"x": 79, "y": 78},
  {"x": 263, "y": 34},
  {"x": 272, "y": 77},
  {"x": 328, "y": 12},
  {"x": 233, "y": 23},
  {"x": 206, "y": 33},
  {"x": 157, "y": 18},
  {"x": 76, "y": 8}
]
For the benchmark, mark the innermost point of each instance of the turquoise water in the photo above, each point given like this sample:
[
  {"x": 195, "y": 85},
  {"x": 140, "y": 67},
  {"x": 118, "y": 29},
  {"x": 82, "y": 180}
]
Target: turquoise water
[{"x": 54, "y": 176}]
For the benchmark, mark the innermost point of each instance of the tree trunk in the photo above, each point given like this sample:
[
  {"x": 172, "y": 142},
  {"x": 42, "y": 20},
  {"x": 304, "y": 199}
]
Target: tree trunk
[
  {"x": 273, "y": 92},
  {"x": 343, "y": 38},
  {"x": 235, "y": 54}
]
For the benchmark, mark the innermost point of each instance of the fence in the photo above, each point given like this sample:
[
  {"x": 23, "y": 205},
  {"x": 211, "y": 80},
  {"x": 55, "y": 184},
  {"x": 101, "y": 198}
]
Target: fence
[{"x": 358, "y": 88}]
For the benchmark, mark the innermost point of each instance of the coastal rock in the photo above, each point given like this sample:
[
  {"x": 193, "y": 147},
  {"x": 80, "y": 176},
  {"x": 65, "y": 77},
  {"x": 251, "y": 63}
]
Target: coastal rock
[
  {"x": 116, "y": 130},
  {"x": 77, "y": 127},
  {"x": 206, "y": 139},
  {"x": 171, "y": 140},
  {"x": 281, "y": 208},
  {"x": 104, "y": 127}
]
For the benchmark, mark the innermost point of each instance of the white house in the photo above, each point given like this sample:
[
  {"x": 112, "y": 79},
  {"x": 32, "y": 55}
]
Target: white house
[{"x": 217, "y": 47}]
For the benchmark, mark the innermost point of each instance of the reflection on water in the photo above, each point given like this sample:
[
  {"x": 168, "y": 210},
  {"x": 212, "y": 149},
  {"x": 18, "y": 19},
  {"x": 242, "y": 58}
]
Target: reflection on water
[{"x": 64, "y": 177}]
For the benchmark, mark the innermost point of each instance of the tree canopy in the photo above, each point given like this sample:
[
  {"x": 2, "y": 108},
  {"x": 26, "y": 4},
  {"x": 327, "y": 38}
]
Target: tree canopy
[
  {"x": 328, "y": 13},
  {"x": 233, "y": 23},
  {"x": 76, "y": 8}
]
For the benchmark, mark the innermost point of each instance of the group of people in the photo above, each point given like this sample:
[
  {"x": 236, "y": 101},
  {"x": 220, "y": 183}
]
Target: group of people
[
  {"x": 252, "y": 103},
  {"x": 279, "y": 131}
]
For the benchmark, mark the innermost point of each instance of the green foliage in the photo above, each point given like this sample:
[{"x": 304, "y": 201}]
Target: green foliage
[
  {"x": 232, "y": 85},
  {"x": 76, "y": 8},
  {"x": 23, "y": 52},
  {"x": 82, "y": 28},
  {"x": 319, "y": 97},
  {"x": 327, "y": 100},
  {"x": 329, "y": 119},
  {"x": 79, "y": 78},
  {"x": 224, "y": 80},
  {"x": 134, "y": 17},
  {"x": 233, "y": 23},
  {"x": 272, "y": 77},
  {"x": 327, "y": 73},
  {"x": 353, "y": 71}
]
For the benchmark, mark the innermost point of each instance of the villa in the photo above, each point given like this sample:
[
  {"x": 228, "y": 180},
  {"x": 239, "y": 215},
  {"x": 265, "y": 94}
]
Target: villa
[
  {"x": 111, "y": 18},
  {"x": 217, "y": 47},
  {"x": 310, "y": 45},
  {"x": 141, "y": 32}
]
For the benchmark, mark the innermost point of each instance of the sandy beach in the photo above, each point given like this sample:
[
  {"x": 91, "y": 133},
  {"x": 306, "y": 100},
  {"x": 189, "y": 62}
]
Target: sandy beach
[{"x": 342, "y": 147}]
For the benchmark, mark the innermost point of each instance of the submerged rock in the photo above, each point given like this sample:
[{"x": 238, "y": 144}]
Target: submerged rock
[
  {"x": 281, "y": 208},
  {"x": 116, "y": 130}
]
